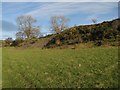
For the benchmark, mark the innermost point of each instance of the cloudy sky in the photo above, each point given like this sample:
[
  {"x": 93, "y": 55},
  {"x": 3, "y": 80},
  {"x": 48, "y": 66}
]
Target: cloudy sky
[
  {"x": 60, "y": 0},
  {"x": 78, "y": 12}
]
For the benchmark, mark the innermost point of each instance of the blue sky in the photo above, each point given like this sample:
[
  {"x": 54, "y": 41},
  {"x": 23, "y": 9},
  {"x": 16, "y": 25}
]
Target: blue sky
[{"x": 79, "y": 13}]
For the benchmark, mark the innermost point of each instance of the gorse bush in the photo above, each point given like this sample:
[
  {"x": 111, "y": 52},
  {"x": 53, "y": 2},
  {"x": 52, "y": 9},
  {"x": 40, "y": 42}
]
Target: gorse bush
[
  {"x": 98, "y": 33},
  {"x": 16, "y": 42}
]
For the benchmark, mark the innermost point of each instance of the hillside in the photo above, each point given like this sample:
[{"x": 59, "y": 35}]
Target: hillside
[
  {"x": 99, "y": 34},
  {"x": 36, "y": 42},
  {"x": 105, "y": 33}
]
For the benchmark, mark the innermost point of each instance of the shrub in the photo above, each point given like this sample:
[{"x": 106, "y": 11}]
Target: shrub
[
  {"x": 98, "y": 43},
  {"x": 8, "y": 41},
  {"x": 16, "y": 42}
]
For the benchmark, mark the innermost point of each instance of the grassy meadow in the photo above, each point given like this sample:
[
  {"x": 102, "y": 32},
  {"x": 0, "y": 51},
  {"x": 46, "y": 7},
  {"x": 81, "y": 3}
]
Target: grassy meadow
[
  {"x": 44, "y": 68},
  {"x": 0, "y": 68}
]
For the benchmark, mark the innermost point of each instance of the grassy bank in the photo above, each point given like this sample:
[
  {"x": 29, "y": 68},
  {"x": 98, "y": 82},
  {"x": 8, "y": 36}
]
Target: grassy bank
[{"x": 84, "y": 68}]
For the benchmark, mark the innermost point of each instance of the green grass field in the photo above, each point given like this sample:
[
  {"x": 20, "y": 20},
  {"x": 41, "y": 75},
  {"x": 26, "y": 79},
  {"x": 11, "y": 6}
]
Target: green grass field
[
  {"x": 83, "y": 68},
  {"x": 0, "y": 68}
]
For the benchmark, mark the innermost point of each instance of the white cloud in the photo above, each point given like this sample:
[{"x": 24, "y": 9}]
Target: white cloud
[
  {"x": 60, "y": 0},
  {"x": 94, "y": 9}
]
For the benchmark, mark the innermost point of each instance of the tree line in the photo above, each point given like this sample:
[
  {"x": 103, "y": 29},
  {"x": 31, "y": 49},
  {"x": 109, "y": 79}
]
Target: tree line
[{"x": 28, "y": 30}]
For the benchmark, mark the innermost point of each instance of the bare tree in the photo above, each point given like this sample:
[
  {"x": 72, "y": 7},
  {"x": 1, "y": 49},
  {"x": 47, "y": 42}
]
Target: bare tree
[
  {"x": 94, "y": 20},
  {"x": 25, "y": 25},
  {"x": 36, "y": 32},
  {"x": 20, "y": 35},
  {"x": 58, "y": 23}
]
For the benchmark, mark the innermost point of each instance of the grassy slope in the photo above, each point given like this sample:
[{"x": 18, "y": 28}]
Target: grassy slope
[
  {"x": 0, "y": 68},
  {"x": 107, "y": 32},
  {"x": 90, "y": 67}
]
